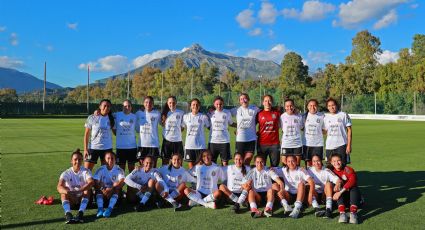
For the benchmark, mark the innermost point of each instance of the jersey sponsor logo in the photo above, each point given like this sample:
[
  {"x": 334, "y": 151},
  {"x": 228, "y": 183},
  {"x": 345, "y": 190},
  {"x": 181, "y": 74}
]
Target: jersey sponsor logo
[
  {"x": 177, "y": 117},
  {"x": 296, "y": 121},
  {"x": 224, "y": 117},
  {"x": 339, "y": 120},
  {"x": 251, "y": 113},
  {"x": 213, "y": 173},
  {"x": 273, "y": 116}
]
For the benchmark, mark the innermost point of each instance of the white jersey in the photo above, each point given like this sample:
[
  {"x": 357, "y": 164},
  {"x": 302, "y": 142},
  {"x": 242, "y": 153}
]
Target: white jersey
[
  {"x": 107, "y": 177},
  {"x": 75, "y": 180},
  {"x": 207, "y": 177},
  {"x": 147, "y": 126},
  {"x": 293, "y": 177},
  {"x": 246, "y": 126},
  {"x": 261, "y": 180},
  {"x": 320, "y": 177},
  {"x": 235, "y": 178},
  {"x": 139, "y": 177},
  {"x": 313, "y": 129},
  {"x": 335, "y": 125},
  {"x": 125, "y": 126},
  {"x": 291, "y": 130},
  {"x": 172, "y": 130},
  {"x": 220, "y": 121},
  {"x": 101, "y": 134},
  {"x": 195, "y": 136},
  {"x": 174, "y": 177}
]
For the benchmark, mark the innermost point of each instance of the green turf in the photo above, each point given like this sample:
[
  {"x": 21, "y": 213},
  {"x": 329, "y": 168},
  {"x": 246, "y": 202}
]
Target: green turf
[{"x": 387, "y": 155}]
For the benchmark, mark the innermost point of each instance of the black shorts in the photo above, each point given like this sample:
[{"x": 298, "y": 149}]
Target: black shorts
[
  {"x": 310, "y": 151},
  {"x": 169, "y": 148},
  {"x": 263, "y": 196},
  {"x": 341, "y": 150},
  {"x": 126, "y": 155},
  {"x": 270, "y": 150},
  {"x": 147, "y": 151},
  {"x": 292, "y": 197},
  {"x": 245, "y": 147},
  {"x": 94, "y": 154},
  {"x": 193, "y": 155},
  {"x": 220, "y": 149},
  {"x": 291, "y": 151}
]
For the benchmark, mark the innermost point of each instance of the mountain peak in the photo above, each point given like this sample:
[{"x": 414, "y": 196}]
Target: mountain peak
[{"x": 196, "y": 47}]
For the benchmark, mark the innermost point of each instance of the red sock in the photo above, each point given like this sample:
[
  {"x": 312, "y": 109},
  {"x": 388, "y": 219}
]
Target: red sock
[
  {"x": 341, "y": 208},
  {"x": 353, "y": 208}
]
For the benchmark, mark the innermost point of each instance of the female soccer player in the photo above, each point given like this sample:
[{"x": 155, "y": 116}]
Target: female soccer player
[
  {"x": 313, "y": 132},
  {"x": 74, "y": 187},
  {"x": 292, "y": 125},
  {"x": 219, "y": 143},
  {"x": 143, "y": 181},
  {"x": 323, "y": 182},
  {"x": 175, "y": 177},
  {"x": 350, "y": 193},
  {"x": 172, "y": 122},
  {"x": 99, "y": 130},
  {"x": 268, "y": 131},
  {"x": 236, "y": 188},
  {"x": 109, "y": 180},
  {"x": 125, "y": 126},
  {"x": 207, "y": 176},
  {"x": 295, "y": 179},
  {"x": 259, "y": 179},
  {"x": 246, "y": 135},
  {"x": 147, "y": 126},
  {"x": 339, "y": 131},
  {"x": 195, "y": 122}
]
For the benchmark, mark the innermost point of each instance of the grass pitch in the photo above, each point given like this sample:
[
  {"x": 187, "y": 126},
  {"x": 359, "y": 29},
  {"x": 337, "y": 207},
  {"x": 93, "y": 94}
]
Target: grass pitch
[{"x": 388, "y": 156}]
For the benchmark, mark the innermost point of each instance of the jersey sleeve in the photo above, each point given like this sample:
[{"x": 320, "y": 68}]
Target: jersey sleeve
[
  {"x": 89, "y": 122},
  {"x": 233, "y": 111},
  {"x": 347, "y": 120},
  {"x": 187, "y": 177},
  {"x": 160, "y": 180},
  {"x": 121, "y": 174},
  {"x": 184, "y": 120},
  {"x": 331, "y": 176},
  {"x": 273, "y": 175},
  {"x": 129, "y": 180},
  {"x": 351, "y": 178},
  {"x": 97, "y": 175},
  {"x": 250, "y": 175},
  {"x": 305, "y": 174},
  {"x": 229, "y": 119},
  {"x": 207, "y": 122},
  {"x": 62, "y": 176}
]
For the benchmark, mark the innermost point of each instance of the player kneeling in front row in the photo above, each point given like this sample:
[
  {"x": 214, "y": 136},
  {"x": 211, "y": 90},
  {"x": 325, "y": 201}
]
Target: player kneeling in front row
[
  {"x": 350, "y": 192},
  {"x": 175, "y": 176},
  {"x": 74, "y": 187},
  {"x": 236, "y": 188},
  {"x": 295, "y": 189},
  {"x": 260, "y": 179},
  {"x": 323, "y": 181},
  {"x": 207, "y": 176},
  {"x": 109, "y": 180},
  {"x": 143, "y": 182}
]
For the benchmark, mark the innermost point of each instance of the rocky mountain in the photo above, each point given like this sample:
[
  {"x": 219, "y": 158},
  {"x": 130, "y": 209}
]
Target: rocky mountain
[{"x": 22, "y": 82}]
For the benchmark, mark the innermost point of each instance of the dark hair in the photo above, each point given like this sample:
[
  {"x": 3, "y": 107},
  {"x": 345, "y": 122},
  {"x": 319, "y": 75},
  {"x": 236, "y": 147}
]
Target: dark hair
[
  {"x": 217, "y": 98},
  {"x": 270, "y": 96},
  {"x": 243, "y": 165},
  {"x": 259, "y": 156},
  {"x": 316, "y": 155},
  {"x": 171, "y": 165},
  {"x": 334, "y": 101},
  {"x": 148, "y": 156},
  {"x": 289, "y": 99},
  {"x": 207, "y": 151},
  {"x": 76, "y": 152},
  {"x": 244, "y": 94},
  {"x": 166, "y": 109},
  {"x": 127, "y": 100},
  {"x": 335, "y": 155},
  {"x": 312, "y": 100},
  {"x": 110, "y": 116},
  {"x": 110, "y": 153},
  {"x": 148, "y": 97}
]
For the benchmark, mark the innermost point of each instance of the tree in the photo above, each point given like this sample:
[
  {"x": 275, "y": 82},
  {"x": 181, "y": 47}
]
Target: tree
[
  {"x": 293, "y": 77},
  {"x": 418, "y": 46},
  {"x": 8, "y": 95}
]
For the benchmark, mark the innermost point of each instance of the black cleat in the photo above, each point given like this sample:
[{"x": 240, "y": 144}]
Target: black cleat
[
  {"x": 328, "y": 214},
  {"x": 256, "y": 214},
  {"x": 236, "y": 207},
  {"x": 69, "y": 219},
  {"x": 139, "y": 207},
  {"x": 79, "y": 217},
  {"x": 160, "y": 203},
  {"x": 177, "y": 207},
  {"x": 319, "y": 213}
]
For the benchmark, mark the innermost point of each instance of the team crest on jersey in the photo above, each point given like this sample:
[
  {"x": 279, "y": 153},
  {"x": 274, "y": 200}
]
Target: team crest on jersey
[
  {"x": 114, "y": 178},
  {"x": 131, "y": 121},
  {"x": 224, "y": 117},
  {"x": 265, "y": 177},
  {"x": 339, "y": 120},
  {"x": 273, "y": 116},
  {"x": 177, "y": 117},
  {"x": 296, "y": 121},
  {"x": 344, "y": 177},
  {"x": 153, "y": 119},
  {"x": 187, "y": 156},
  {"x": 213, "y": 173},
  {"x": 318, "y": 120},
  {"x": 251, "y": 113},
  {"x": 81, "y": 179},
  {"x": 180, "y": 177},
  {"x": 297, "y": 178}
]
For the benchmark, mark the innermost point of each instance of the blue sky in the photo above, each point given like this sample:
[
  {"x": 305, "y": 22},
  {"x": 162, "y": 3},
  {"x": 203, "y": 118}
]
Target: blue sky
[{"x": 114, "y": 36}]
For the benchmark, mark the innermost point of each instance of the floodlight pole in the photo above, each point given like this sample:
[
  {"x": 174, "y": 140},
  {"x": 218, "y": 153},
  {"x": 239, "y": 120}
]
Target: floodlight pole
[
  {"x": 88, "y": 86},
  {"x": 44, "y": 88},
  {"x": 260, "y": 77},
  {"x": 128, "y": 85},
  {"x": 375, "y": 103}
]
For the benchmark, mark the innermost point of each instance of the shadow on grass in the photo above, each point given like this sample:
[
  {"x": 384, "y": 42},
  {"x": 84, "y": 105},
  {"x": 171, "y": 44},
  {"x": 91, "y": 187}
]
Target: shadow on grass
[
  {"x": 32, "y": 224},
  {"x": 386, "y": 191}
]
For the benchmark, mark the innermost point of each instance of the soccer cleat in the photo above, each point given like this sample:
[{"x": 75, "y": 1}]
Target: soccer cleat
[
  {"x": 192, "y": 203},
  {"x": 139, "y": 207},
  {"x": 107, "y": 212},
  {"x": 211, "y": 205},
  {"x": 268, "y": 212},
  {"x": 319, "y": 213},
  {"x": 287, "y": 208},
  {"x": 236, "y": 207},
  {"x": 79, "y": 217},
  {"x": 245, "y": 204},
  {"x": 99, "y": 212},
  {"x": 342, "y": 218},
  {"x": 41, "y": 200},
  {"x": 69, "y": 219},
  {"x": 49, "y": 200},
  {"x": 160, "y": 203},
  {"x": 328, "y": 214},
  {"x": 295, "y": 213},
  {"x": 177, "y": 207},
  {"x": 255, "y": 213},
  {"x": 353, "y": 218}
]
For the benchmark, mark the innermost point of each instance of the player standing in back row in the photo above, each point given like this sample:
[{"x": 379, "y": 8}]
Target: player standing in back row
[
  {"x": 291, "y": 124},
  {"x": 313, "y": 132}
]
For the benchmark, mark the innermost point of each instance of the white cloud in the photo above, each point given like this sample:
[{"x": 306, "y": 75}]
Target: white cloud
[
  {"x": 268, "y": 13},
  {"x": 112, "y": 63},
  {"x": 270, "y": 34},
  {"x": 255, "y": 32},
  {"x": 2, "y": 28},
  {"x": 144, "y": 59},
  {"x": 7, "y": 62},
  {"x": 246, "y": 19},
  {"x": 13, "y": 39},
  {"x": 414, "y": 6},
  {"x": 274, "y": 54},
  {"x": 312, "y": 10},
  {"x": 319, "y": 57},
  {"x": 356, "y": 12},
  {"x": 49, "y": 48},
  {"x": 387, "y": 57},
  {"x": 386, "y": 20},
  {"x": 72, "y": 26}
]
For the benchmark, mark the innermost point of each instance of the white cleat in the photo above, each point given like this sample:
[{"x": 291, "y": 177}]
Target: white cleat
[
  {"x": 353, "y": 218},
  {"x": 295, "y": 213},
  {"x": 342, "y": 218},
  {"x": 210, "y": 205}
]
